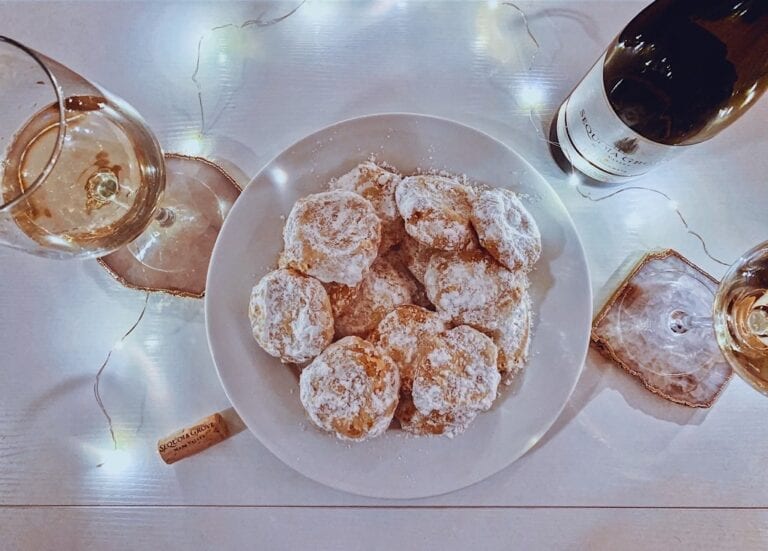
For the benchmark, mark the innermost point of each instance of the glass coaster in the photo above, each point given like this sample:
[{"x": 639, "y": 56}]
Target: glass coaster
[
  {"x": 658, "y": 327},
  {"x": 172, "y": 255}
]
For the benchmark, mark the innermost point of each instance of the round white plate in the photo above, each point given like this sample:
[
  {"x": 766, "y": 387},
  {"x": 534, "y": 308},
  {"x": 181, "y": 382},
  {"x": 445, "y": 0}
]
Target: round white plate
[{"x": 395, "y": 465}]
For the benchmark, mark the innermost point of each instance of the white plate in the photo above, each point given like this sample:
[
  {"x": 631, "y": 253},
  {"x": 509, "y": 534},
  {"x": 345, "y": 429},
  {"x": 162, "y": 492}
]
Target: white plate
[{"x": 265, "y": 393}]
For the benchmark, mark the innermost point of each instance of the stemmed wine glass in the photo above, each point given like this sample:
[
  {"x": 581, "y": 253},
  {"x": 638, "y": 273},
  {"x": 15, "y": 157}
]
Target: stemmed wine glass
[{"x": 82, "y": 175}]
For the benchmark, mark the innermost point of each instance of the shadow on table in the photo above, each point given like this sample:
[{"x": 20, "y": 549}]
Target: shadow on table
[
  {"x": 601, "y": 374},
  {"x": 59, "y": 391}
]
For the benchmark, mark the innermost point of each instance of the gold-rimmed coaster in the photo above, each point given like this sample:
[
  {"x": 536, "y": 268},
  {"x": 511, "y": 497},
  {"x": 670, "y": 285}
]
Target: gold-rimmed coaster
[
  {"x": 657, "y": 326},
  {"x": 172, "y": 255}
]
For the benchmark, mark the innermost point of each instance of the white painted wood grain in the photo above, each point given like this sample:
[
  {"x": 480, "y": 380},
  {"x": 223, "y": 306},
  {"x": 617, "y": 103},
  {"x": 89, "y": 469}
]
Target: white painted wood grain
[
  {"x": 615, "y": 445},
  {"x": 277, "y": 529}
]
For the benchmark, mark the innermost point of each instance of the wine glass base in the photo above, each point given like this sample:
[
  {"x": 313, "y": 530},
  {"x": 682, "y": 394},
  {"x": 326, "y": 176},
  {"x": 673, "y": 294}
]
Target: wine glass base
[
  {"x": 173, "y": 253},
  {"x": 657, "y": 326}
]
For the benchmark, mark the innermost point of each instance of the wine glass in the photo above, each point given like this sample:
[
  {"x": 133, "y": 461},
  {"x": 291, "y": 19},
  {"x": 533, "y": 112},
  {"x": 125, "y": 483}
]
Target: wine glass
[
  {"x": 741, "y": 317},
  {"x": 82, "y": 176},
  {"x": 682, "y": 317}
]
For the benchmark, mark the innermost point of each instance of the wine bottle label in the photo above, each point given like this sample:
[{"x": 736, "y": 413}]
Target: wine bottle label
[{"x": 597, "y": 142}]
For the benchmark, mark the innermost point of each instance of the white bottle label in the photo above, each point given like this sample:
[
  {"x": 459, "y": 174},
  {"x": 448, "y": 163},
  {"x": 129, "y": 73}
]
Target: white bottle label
[{"x": 609, "y": 150}]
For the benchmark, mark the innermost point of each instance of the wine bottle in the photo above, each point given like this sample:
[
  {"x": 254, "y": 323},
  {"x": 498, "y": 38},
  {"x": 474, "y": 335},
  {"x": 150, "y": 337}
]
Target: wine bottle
[{"x": 679, "y": 73}]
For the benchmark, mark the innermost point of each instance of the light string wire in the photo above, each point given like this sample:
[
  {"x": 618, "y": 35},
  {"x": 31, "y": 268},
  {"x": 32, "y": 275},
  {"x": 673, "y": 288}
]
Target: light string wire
[
  {"x": 259, "y": 22},
  {"x": 117, "y": 346}
]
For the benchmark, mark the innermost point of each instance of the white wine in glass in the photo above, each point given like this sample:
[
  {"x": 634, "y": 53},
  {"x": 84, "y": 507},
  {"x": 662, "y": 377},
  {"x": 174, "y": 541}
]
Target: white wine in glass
[
  {"x": 101, "y": 192},
  {"x": 741, "y": 317},
  {"x": 83, "y": 176}
]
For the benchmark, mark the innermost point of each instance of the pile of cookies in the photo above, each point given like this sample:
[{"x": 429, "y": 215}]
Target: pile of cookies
[{"x": 400, "y": 297}]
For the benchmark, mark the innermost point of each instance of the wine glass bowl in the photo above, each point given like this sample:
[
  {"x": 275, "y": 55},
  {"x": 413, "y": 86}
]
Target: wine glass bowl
[
  {"x": 82, "y": 174},
  {"x": 741, "y": 317}
]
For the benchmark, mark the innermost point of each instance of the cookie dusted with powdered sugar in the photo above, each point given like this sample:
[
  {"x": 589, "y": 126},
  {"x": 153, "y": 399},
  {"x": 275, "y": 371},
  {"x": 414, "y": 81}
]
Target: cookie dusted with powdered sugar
[
  {"x": 333, "y": 236},
  {"x": 432, "y": 424},
  {"x": 351, "y": 390},
  {"x": 512, "y": 336},
  {"x": 383, "y": 288},
  {"x": 397, "y": 258},
  {"x": 455, "y": 378},
  {"x": 291, "y": 316},
  {"x": 506, "y": 229},
  {"x": 416, "y": 256},
  {"x": 400, "y": 334},
  {"x": 437, "y": 211},
  {"x": 470, "y": 282}
]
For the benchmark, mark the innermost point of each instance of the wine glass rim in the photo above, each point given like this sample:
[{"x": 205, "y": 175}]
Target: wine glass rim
[
  {"x": 61, "y": 131},
  {"x": 738, "y": 263}
]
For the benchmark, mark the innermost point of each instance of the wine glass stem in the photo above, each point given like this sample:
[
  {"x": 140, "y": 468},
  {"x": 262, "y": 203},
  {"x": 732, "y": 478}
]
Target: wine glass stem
[
  {"x": 680, "y": 322},
  {"x": 164, "y": 217},
  {"x": 695, "y": 322}
]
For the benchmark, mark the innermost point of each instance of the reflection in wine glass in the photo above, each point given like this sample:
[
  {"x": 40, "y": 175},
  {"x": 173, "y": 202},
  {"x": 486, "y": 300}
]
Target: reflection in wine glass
[{"x": 83, "y": 176}]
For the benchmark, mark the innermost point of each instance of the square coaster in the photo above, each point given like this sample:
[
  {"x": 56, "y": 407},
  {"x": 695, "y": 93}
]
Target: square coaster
[{"x": 657, "y": 326}]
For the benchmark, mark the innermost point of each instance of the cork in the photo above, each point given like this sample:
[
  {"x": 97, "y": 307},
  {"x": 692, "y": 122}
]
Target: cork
[{"x": 191, "y": 440}]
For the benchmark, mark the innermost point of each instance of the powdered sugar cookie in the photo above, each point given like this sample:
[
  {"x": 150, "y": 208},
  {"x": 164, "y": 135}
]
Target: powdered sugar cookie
[
  {"x": 333, "y": 236},
  {"x": 456, "y": 373},
  {"x": 436, "y": 211},
  {"x": 291, "y": 316},
  {"x": 400, "y": 333},
  {"x": 506, "y": 229},
  {"x": 459, "y": 283},
  {"x": 378, "y": 186},
  {"x": 383, "y": 289},
  {"x": 351, "y": 390},
  {"x": 456, "y": 370}
]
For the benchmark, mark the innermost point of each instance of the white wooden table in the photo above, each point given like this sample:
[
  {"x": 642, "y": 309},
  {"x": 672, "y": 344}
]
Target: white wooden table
[{"x": 621, "y": 469}]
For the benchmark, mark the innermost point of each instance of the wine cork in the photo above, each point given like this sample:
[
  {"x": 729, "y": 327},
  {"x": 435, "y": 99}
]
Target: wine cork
[{"x": 191, "y": 440}]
